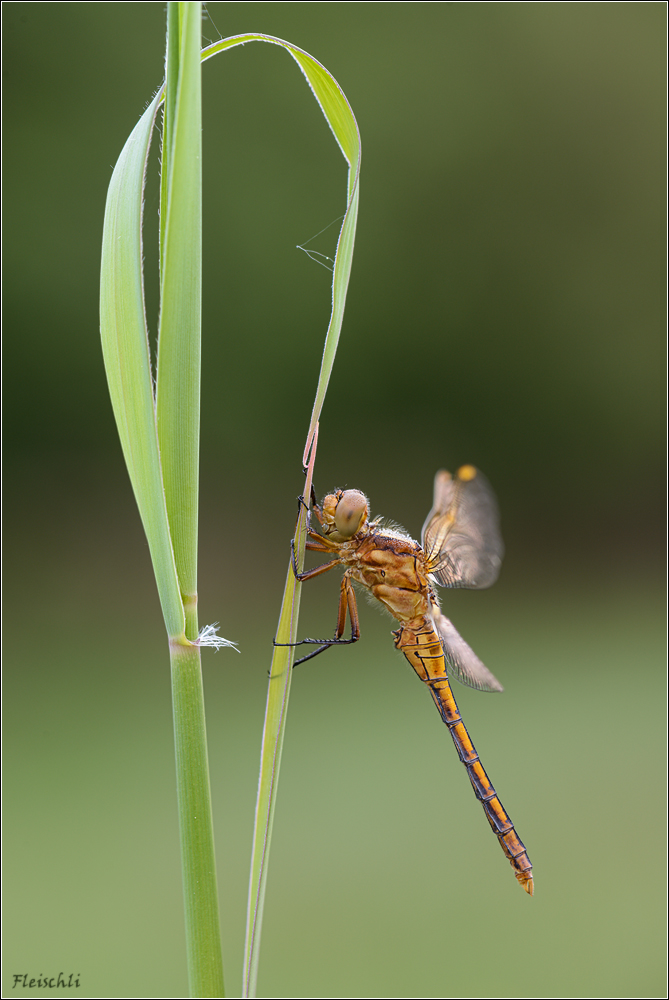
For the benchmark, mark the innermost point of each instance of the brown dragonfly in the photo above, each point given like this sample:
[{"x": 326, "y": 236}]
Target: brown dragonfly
[{"x": 461, "y": 547}]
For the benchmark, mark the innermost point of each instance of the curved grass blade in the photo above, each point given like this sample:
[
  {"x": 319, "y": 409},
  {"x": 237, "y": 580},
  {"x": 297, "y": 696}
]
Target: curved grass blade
[
  {"x": 341, "y": 120},
  {"x": 126, "y": 353}
]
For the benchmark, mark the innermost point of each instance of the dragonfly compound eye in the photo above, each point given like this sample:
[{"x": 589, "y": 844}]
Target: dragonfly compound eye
[{"x": 351, "y": 513}]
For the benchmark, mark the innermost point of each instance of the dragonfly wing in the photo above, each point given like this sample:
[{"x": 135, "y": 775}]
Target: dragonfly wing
[
  {"x": 463, "y": 662},
  {"x": 461, "y": 537}
]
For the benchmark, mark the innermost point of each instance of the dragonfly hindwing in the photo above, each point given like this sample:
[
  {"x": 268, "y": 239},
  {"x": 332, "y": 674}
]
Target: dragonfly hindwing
[{"x": 463, "y": 662}]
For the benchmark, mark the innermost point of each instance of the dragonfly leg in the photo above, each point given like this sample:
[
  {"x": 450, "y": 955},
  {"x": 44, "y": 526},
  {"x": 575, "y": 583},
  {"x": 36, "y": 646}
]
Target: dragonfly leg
[
  {"x": 317, "y": 570},
  {"x": 312, "y": 505},
  {"x": 347, "y": 607},
  {"x": 315, "y": 542},
  {"x": 315, "y": 506}
]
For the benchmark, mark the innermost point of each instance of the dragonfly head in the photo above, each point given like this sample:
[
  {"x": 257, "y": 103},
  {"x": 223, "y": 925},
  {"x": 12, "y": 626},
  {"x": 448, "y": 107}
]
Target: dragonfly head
[{"x": 345, "y": 512}]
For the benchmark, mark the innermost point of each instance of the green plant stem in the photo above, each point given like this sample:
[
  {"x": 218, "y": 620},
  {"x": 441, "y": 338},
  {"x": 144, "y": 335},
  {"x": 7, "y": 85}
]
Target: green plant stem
[
  {"x": 272, "y": 742},
  {"x": 178, "y": 362},
  {"x": 203, "y": 939}
]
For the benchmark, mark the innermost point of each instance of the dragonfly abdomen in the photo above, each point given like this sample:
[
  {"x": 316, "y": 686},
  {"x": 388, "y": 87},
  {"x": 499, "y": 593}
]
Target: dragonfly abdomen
[{"x": 424, "y": 651}]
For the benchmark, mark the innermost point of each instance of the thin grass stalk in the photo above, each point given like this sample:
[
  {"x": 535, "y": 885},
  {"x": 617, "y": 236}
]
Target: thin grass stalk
[
  {"x": 203, "y": 937},
  {"x": 178, "y": 423},
  {"x": 341, "y": 120},
  {"x": 278, "y": 693}
]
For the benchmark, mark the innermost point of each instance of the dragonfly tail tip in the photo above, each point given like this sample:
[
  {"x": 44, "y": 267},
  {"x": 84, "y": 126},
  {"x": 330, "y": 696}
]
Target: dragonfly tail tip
[{"x": 526, "y": 880}]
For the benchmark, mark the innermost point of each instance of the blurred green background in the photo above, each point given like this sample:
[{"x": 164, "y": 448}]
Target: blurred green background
[{"x": 505, "y": 309}]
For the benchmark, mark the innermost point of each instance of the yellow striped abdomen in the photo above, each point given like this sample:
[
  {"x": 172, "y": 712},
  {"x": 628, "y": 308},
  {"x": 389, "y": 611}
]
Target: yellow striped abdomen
[{"x": 423, "y": 649}]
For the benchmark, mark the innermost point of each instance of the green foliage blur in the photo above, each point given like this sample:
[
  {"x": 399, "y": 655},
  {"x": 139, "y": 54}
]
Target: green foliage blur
[{"x": 505, "y": 309}]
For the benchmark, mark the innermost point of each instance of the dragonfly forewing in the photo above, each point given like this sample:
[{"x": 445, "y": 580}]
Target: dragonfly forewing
[{"x": 461, "y": 537}]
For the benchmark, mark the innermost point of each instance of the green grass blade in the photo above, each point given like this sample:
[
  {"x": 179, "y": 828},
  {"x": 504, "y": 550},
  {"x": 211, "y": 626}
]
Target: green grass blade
[
  {"x": 179, "y": 344},
  {"x": 339, "y": 116},
  {"x": 341, "y": 120},
  {"x": 272, "y": 746},
  {"x": 126, "y": 354}
]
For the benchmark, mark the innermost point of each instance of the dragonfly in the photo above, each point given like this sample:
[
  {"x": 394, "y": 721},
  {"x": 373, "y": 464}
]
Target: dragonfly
[{"x": 461, "y": 547}]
